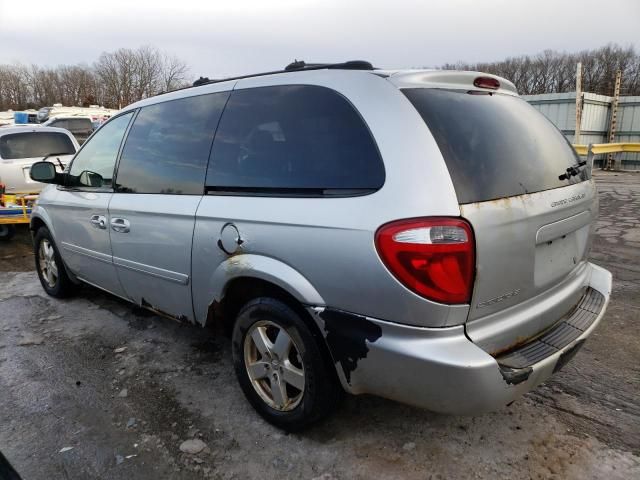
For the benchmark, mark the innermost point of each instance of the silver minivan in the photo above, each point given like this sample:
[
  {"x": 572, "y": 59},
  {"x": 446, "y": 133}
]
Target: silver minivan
[{"x": 417, "y": 235}]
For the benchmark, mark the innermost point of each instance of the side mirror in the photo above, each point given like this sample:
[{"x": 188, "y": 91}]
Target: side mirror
[
  {"x": 91, "y": 179},
  {"x": 44, "y": 172}
]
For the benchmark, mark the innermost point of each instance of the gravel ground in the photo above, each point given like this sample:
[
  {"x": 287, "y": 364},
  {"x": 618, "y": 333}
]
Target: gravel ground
[{"x": 93, "y": 388}]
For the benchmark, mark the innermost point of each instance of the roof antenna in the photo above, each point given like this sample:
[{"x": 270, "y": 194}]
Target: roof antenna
[
  {"x": 295, "y": 65},
  {"x": 201, "y": 81}
]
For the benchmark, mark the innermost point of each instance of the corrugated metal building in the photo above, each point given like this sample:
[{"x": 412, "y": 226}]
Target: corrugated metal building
[
  {"x": 560, "y": 108},
  {"x": 629, "y": 125}
]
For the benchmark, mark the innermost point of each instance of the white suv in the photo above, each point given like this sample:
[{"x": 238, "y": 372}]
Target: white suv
[{"x": 20, "y": 147}]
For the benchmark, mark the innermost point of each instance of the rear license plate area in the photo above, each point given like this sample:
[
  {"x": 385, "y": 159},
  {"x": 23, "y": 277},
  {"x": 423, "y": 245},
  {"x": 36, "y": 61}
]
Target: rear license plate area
[{"x": 556, "y": 258}]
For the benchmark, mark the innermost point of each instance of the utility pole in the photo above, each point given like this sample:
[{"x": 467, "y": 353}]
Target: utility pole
[
  {"x": 576, "y": 136},
  {"x": 611, "y": 163}
]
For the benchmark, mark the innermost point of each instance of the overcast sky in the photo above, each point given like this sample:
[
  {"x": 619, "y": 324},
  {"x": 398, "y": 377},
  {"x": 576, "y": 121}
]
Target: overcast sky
[{"x": 218, "y": 38}]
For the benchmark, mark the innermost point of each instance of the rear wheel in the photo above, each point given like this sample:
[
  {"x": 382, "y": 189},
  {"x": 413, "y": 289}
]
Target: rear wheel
[
  {"x": 49, "y": 266},
  {"x": 7, "y": 232},
  {"x": 281, "y": 367}
]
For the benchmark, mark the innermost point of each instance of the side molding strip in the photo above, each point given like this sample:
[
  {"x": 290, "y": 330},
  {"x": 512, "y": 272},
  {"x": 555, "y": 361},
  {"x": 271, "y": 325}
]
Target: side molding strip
[
  {"x": 102, "y": 257},
  {"x": 169, "y": 275}
]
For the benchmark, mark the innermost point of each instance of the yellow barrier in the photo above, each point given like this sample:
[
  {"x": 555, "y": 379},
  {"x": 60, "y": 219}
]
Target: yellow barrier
[
  {"x": 600, "y": 148},
  {"x": 20, "y": 212},
  {"x": 582, "y": 149}
]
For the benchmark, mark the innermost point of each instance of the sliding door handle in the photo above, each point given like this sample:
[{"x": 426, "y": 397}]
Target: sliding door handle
[
  {"x": 99, "y": 221},
  {"x": 120, "y": 225}
]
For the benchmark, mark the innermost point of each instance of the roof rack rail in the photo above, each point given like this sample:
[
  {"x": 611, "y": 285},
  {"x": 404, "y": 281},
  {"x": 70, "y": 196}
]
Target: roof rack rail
[{"x": 295, "y": 66}]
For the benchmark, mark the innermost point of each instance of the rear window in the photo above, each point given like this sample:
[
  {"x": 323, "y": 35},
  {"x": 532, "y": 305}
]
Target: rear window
[
  {"x": 495, "y": 145},
  {"x": 34, "y": 145},
  {"x": 293, "y": 140},
  {"x": 80, "y": 124}
]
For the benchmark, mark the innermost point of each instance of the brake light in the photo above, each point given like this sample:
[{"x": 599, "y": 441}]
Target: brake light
[
  {"x": 434, "y": 257},
  {"x": 486, "y": 82}
]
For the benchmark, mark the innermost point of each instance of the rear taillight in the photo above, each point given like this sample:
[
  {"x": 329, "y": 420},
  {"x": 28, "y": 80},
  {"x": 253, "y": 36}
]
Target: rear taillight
[
  {"x": 434, "y": 257},
  {"x": 486, "y": 82}
]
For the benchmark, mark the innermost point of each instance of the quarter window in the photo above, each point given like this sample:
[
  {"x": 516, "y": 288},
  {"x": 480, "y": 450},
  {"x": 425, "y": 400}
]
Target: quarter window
[
  {"x": 60, "y": 124},
  {"x": 80, "y": 124},
  {"x": 168, "y": 146},
  {"x": 98, "y": 155},
  {"x": 293, "y": 139}
]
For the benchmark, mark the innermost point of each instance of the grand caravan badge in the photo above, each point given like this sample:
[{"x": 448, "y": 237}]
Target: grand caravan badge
[
  {"x": 567, "y": 201},
  {"x": 499, "y": 299}
]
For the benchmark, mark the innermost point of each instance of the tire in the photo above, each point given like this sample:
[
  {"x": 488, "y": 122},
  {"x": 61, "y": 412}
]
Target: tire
[
  {"x": 51, "y": 270},
  {"x": 7, "y": 232},
  {"x": 302, "y": 401}
]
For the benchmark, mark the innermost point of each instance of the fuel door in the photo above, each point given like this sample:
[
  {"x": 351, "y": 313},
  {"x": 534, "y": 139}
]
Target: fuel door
[{"x": 230, "y": 240}]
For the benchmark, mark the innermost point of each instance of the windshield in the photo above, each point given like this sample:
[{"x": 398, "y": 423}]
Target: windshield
[
  {"x": 35, "y": 144},
  {"x": 495, "y": 145}
]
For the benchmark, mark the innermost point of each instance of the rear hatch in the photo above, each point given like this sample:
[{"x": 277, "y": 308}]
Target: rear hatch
[{"x": 531, "y": 219}]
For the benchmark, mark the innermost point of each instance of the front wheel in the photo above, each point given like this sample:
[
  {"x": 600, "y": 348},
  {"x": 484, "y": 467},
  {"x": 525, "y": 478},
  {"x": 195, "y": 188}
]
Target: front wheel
[
  {"x": 49, "y": 266},
  {"x": 281, "y": 367}
]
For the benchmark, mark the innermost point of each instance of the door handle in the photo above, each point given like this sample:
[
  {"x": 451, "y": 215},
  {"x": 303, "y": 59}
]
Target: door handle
[
  {"x": 120, "y": 225},
  {"x": 99, "y": 221}
]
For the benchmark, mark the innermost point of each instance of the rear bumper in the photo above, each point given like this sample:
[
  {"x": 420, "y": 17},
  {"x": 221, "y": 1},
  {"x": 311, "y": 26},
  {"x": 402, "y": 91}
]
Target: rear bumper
[{"x": 440, "y": 369}]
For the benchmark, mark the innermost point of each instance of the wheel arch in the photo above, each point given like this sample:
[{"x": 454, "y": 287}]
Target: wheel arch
[
  {"x": 242, "y": 289},
  {"x": 39, "y": 219},
  {"x": 255, "y": 271}
]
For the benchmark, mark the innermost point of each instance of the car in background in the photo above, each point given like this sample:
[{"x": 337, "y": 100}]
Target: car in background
[
  {"x": 80, "y": 127},
  {"x": 20, "y": 147}
]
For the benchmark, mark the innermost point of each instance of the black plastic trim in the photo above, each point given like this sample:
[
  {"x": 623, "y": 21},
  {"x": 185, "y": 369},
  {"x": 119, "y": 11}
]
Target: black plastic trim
[
  {"x": 563, "y": 333},
  {"x": 514, "y": 376},
  {"x": 289, "y": 192}
]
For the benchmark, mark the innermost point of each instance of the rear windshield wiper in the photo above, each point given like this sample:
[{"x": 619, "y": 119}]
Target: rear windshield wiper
[
  {"x": 573, "y": 170},
  {"x": 55, "y": 155}
]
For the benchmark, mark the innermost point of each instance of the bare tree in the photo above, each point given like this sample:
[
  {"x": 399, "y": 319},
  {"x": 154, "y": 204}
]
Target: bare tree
[
  {"x": 147, "y": 72},
  {"x": 174, "y": 73},
  {"x": 116, "y": 79},
  {"x": 124, "y": 76},
  {"x": 551, "y": 71},
  {"x": 131, "y": 75},
  {"x": 14, "y": 86}
]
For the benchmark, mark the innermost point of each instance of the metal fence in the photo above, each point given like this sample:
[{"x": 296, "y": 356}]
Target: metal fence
[{"x": 560, "y": 108}]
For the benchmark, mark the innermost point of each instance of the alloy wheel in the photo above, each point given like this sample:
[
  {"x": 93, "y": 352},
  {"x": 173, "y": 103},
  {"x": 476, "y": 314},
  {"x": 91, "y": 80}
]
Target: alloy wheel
[
  {"x": 274, "y": 365},
  {"x": 47, "y": 263}
]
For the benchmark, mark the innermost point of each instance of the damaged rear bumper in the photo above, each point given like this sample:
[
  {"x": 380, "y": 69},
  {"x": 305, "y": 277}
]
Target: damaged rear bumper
[{"x": 440, "y": 369}]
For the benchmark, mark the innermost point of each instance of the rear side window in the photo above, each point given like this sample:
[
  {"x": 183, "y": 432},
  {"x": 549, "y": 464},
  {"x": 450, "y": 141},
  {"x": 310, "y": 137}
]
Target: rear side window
[
  {"x": 80, "y": 124},
  {"x": 168, "y": 146},
  {"x": 60, "y": 124},
  {"x": 494, "y": 145},
  {"x": 35, "y": 145},
  {"x": 293, "y": 139}
]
